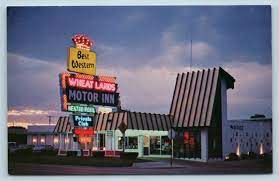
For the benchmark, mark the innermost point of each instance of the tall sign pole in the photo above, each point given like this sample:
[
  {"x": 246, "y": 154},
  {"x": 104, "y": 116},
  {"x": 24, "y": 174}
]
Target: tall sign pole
[
  {"x": 171, "y": 135},
  {"x": 122, "y": 127}
]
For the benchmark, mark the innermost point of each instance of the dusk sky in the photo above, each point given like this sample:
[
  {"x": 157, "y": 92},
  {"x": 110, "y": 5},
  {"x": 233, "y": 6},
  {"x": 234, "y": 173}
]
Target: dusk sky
[{"x": 145, "y": 48}]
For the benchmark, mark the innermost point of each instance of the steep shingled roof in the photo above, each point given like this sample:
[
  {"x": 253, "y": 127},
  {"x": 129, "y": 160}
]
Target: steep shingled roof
[
  {"x": 111, "y": 121},
  {"x": 194, "y": 96}
]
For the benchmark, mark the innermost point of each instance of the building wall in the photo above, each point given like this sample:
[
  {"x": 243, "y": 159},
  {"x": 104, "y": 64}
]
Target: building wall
[
  {"x": 112, "y": 137},
  {"x": 52, "y": 139},
  {"x": 244, "y": 136}
]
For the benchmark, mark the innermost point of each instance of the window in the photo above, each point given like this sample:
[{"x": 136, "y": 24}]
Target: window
[
  {"x": 131, "y": 142},
  {"x": 34, "y": 140},
  {"x": 55, "y": 139},
  {"x": 247, "y": 144},
  {"x": 231, "y": 139},
  {"x": 166, "y": 145},
  {"x": 246, "y": 133},
  {"x": 102, "y": 141},
  {"x": 42, "y": 140},
  {"x": 267, "y": 135},
  {"x": 155, "y": 144},
  {"x": 236, "y": 134}
]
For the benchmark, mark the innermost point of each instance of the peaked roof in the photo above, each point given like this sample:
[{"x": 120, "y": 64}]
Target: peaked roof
[
  {"x": 111, "y": 121},
  {"x": 63, "y": 125},
  {"x": 194, "y": 96}
]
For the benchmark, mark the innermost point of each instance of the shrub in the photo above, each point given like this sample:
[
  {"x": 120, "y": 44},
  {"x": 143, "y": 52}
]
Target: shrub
[
  {"x": 48, "y": 152},
  {"x": 98, "y": 154},
  {"x": 252, "y": 155},
  {"x": 129, "y": 155},
  {"x": 72, "y": 153},
  {"x": 266, "y": 157},
  {"x": 27, "y": 151},
  {"x": 244, "y": 156},
  {"x": 232, "y": 157}
]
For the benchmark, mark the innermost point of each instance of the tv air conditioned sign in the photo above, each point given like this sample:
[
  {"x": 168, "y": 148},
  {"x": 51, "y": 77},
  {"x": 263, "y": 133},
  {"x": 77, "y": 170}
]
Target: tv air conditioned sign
[{"x": 83, "y": 121}]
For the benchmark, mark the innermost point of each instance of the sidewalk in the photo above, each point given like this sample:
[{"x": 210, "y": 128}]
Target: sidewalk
[{"x": 157, "y": 164}]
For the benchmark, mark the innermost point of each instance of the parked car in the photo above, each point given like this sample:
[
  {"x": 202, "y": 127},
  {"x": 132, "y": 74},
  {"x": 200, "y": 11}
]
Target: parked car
[
  {"x": 232, "y": 157},
  {"x": 42, "y": 148},
  {"x": 12, "y": 147}
]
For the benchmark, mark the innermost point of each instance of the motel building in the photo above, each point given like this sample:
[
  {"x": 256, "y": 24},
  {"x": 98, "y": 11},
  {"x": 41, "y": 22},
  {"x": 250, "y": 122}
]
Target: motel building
[{"x": 198, "y": 116}]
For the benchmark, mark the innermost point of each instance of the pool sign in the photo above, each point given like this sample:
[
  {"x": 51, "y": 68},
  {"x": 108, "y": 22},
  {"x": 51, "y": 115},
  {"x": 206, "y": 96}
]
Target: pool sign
[{"x": 83, "y": 121}]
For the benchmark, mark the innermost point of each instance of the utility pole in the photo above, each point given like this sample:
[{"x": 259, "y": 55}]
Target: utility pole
[
  {"x": 191, "y": 54},
  {"x": 49, "y": 119}
]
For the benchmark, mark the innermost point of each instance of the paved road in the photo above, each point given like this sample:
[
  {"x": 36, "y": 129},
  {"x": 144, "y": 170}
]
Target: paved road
[{"x": 150, "y": 168}]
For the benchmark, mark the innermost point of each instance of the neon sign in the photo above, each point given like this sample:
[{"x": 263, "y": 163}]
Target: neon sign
[
  {"x": 84, "y": 139},
  {"x": 80, "y": 93},
  {"x": 79, "y": 108},
  {"x": 91, "y": 84},
  {"x": 83, "y": 121},
  {"x": 92, "y": 97},
  {"x": 82, "y": 131},
  {"x": 82, "y": 42}
]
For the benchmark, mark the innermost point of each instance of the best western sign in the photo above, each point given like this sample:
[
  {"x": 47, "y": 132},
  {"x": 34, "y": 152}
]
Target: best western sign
[
  {"x": 82, "y": 61},
  {"x": 83, "y": 121}
]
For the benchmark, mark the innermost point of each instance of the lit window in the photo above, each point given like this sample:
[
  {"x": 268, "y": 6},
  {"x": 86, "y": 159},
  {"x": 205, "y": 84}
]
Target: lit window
[
  {"x": 67, "y": 140},
  {"x": 55, "y": 140},
  {"x": 130, "y": 142},
  {"x": 34, "y": 140},
  {"x": 43, "y": 140}
]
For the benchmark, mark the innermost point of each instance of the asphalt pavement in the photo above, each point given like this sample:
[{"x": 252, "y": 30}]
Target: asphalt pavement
[{"x": 180, "y": 167}]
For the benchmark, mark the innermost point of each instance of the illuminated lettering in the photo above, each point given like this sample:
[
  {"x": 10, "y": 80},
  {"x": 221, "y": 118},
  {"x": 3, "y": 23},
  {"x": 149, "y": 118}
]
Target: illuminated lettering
[
  {"x": 91, "y": 84},
  {"x": 91, "y": 97},
  {"x": 86, "y": 109},
  {"x": 83, "y": 121}
]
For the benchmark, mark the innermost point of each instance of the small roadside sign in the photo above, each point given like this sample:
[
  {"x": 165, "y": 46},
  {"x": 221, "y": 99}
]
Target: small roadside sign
[
  {"x": 122, "y": 127},
  {"x": 171, "y": 134}
]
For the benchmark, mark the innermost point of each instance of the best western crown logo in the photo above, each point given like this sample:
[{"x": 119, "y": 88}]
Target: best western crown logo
[
  {"x": 82, "y": 42},
  {"x": 80, "y": 58}
]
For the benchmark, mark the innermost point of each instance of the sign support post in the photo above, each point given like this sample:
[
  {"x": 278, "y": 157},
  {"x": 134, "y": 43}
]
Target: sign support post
[
  {"x": 171, "y": 148},
  {"x": 122, "y": 127},
  {"x": 171, "y": 135}
]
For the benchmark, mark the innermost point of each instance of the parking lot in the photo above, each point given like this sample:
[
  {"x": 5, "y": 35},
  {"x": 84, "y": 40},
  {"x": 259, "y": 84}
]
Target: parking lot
[{"x": 156, "y": 167}]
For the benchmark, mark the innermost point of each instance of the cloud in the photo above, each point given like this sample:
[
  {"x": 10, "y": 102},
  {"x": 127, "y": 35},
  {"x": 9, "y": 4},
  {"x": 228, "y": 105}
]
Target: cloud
[
  {"x": 253, "y": 89},
  {"x": 32, "y": 82},
  {"x": 176, "y": 53},
  {"x": 146, "y": 87},
  {"x": 26, "y": 112}
]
